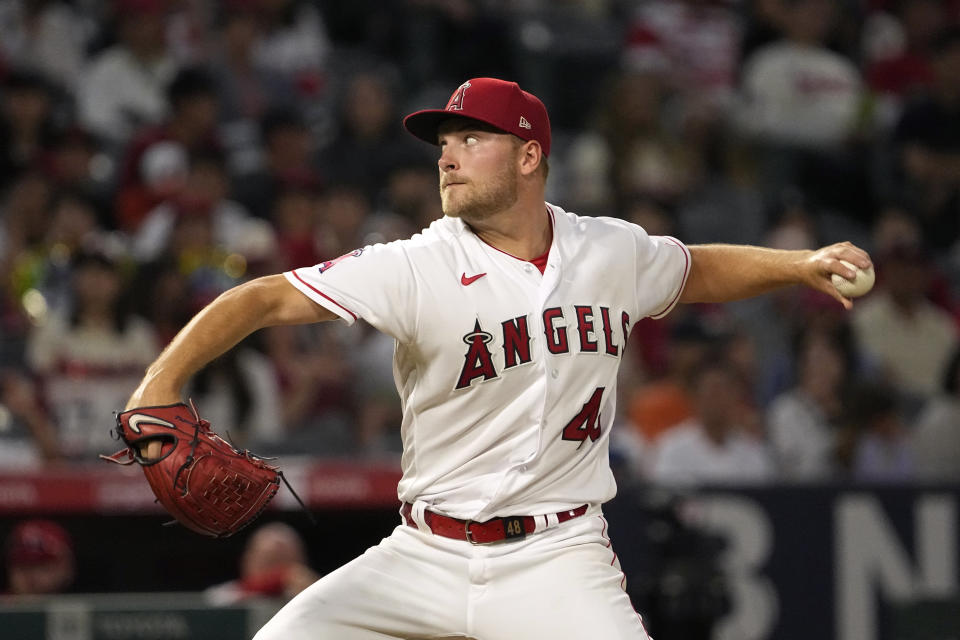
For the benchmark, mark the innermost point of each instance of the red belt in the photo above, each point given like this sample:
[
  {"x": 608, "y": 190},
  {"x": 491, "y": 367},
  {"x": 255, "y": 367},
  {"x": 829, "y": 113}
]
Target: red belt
[{"x": 495, "y": 530}]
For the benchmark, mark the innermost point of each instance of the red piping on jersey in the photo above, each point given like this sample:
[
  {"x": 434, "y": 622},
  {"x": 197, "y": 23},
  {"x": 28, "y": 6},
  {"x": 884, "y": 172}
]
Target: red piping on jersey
[
  {"x": 683, "y": 281},
  {"x": 321, "y": 293},
  {"x": 623, "y": 581}
]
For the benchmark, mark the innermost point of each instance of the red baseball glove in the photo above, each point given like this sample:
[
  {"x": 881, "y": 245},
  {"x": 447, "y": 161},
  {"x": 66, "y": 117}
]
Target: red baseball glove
[{"x": 203, "y": 481}]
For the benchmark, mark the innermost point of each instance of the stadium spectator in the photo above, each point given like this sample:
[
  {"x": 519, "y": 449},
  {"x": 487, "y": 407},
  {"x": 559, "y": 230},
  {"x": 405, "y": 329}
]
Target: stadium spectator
[
  {"x": 190, "y": 129},
  {"x": 294, "y": 43},
  {"x": 896, "y": 227},
  {"x": 26, "y": 124},
  {"x": 646, "y": 153},
  {"x": 343, "y": 210},
  {"x": 443, "y": 40},
  {"x": 725, "y": 205},
  {"x": 273, "y": 565},
  {"x": 295, "y": 218},
  {"x": 207, "y": 267},
  {"x": 161, "y": 292},
  {"x": 900, "y": 66},
  {"x": 804, "y": 421},
  {"x": 206, "y": 189},
  {"x": 75, "y": 162},
  {"x": 900, "y": 329},
  {"x": 935, "y": 437},
  {"x": 247, "y": 88},
  {"x": 72, "y": 223},
  {"x": 23, "y": 216},
  {"x": 739, "y": 350},
  {"x": 48, "y": 37},
  {"x": 772, "y": 320},
  {"x": 25, "y": 222},
  {"x": 39, "y": 559},
  {"x": 664, "y": 400},
  {"x": 28, "y": 435},
  {"x": 712, "y": 447},
  {"x": 369, "y": 143},
  {"x": 411, "y": 192},
  {"x": 122, "y": 89},
  {"x": 89, "y": 355},
  {"x": 927, "y": 148},
  {"x": 802, "y": 104},
  {"x": 288, "y": 147},
  {"x": 160, "y": 176},
  {"x": 796, "y": 91},
  {"x": 240, "y": 391},
  {"x": 882, "y": 449},
  {"x": 700, "y": 43},
  {"x": 318, "y": 388}
]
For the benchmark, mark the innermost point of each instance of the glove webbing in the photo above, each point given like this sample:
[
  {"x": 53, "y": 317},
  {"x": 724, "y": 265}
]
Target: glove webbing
[{"x": 189, "y": 461}]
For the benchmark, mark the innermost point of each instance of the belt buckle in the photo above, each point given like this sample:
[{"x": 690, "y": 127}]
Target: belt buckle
[{"x": 469, "y": 536}]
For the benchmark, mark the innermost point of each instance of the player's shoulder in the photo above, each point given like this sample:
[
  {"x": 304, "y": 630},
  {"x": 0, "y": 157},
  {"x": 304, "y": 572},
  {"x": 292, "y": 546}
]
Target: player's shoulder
[
  {"x": 437, "y": 237},
  {"x": 438, "y": 233},
  {"x": 592, "y": 227},
  {"x": 443, "y": 229}
]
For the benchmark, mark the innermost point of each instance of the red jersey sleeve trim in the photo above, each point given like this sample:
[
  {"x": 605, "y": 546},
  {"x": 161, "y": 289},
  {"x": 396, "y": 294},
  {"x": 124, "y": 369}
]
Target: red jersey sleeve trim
[
  {"x": 323, "y": 295},
  {"x": 683, "y": 281}
]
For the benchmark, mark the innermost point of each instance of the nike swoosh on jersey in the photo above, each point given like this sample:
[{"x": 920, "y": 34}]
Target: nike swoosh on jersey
[
  {"x": 134, "y": 422},
  {"x": 464, "y": 280}
]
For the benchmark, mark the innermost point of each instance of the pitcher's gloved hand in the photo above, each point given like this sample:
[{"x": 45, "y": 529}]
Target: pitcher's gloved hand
[{"x": 203, "y": 481}]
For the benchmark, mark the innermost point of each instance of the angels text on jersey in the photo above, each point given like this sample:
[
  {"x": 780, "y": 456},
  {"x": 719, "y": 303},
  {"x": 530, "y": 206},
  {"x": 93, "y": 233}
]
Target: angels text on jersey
[{"x": 592, "y": 331}]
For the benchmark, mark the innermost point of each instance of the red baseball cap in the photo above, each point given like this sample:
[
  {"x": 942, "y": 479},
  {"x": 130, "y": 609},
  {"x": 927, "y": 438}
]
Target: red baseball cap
[
  {"x": 36, "y": 541},
  {"x": 498, "y": 103}
]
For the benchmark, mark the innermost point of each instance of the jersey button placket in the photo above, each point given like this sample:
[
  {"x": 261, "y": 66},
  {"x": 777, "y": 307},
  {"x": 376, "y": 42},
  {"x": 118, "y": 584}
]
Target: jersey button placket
[{"x": 548, "y": 284}]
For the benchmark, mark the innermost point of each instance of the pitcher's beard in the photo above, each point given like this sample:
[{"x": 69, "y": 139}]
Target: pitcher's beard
[{"x": 482, "y": 201}]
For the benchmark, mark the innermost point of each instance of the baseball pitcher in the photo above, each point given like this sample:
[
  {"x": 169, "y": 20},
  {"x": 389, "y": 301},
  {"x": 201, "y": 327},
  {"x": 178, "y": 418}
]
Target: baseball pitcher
[{"x": 510, "y": 317}]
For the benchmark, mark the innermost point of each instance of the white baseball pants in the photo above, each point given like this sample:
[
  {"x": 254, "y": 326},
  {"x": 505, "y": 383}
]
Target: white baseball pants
[{"x": 563, "y": 583}]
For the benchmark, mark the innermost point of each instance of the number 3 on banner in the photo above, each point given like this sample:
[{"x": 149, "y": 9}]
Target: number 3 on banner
[{"x": 587, "y": 422}]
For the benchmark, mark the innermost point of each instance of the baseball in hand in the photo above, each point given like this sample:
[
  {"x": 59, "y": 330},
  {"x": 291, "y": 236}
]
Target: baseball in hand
[{"x": 861, "y": 284}]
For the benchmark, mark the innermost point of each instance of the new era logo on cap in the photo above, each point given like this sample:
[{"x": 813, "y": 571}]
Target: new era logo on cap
[{"x": 499, "y": 103}]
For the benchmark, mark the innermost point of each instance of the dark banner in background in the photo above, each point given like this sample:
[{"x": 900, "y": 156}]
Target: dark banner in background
[{"x": 851, "y": 563}]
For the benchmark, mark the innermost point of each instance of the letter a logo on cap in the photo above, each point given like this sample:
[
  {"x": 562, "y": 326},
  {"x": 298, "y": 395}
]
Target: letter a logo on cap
[
  {"x": 524, "y": 124},
  {"x": 456, "y": 102}
]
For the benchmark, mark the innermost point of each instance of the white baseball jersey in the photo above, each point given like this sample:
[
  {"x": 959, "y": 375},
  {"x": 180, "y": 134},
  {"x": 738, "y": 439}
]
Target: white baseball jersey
[{"x": 507, "y": 377}]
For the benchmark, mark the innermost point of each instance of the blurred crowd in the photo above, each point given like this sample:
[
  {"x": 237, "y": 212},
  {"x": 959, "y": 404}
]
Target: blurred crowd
[{"x": 154, "y": 153}]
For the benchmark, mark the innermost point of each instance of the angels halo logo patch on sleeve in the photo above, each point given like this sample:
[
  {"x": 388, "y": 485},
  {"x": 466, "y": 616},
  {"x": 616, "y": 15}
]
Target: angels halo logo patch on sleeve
[{"x": 323, "y": 266}]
